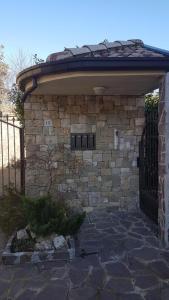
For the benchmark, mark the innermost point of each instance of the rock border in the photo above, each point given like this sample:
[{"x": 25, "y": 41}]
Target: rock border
[{"x": 10, "y": 258}]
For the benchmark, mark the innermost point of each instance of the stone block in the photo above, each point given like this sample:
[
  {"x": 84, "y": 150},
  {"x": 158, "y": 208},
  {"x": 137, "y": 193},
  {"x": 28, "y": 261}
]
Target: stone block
[
  {"x": 105, "y": 172},
  {"x": 50, "y": 140},
  {"x": 52, "y": 106},
  {"x": 38, "y": 114},
  {"x": 81, "y": 128},
  {"x": 75, "y": 109},
  {"x": 87, "y": 155},
  {"x": 36, "y": 106},
  {"x": 33, "y": 130},
  {"x": 116, "y": 180},
  {"x": 106, "y": 155},
  {"x": 92, "y": 107},
  {"x": 139, "y": 121},
  {"x": 57, "y": 123},
  {"x": 65, "y": 122},
  {"x": 30, "y": 139},
  {"x": 97, "y": 156},
  {"x": 27, "y": 106}
]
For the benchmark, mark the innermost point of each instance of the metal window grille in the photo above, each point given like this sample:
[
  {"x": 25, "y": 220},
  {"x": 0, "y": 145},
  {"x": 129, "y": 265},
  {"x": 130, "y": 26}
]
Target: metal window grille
[{"x": 83, "y": 141}]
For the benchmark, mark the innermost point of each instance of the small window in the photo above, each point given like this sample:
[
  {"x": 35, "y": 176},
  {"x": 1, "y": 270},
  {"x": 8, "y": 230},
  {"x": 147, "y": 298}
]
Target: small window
[{"x": 83, "y": 141}]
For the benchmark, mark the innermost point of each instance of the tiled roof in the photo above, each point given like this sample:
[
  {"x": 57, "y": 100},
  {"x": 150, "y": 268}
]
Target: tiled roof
[{"x": 129, "y": 48}]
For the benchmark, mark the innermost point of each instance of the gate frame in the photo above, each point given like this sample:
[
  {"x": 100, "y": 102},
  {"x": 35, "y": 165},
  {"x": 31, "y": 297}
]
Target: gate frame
[
  {"x": 148, "y": 166},
  {"x": 22, "y": 149}
]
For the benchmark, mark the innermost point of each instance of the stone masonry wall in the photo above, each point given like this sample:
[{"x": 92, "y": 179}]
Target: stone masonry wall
[
  {"x": 163, "y": 161},
  {"x": 105, "y": 176}
]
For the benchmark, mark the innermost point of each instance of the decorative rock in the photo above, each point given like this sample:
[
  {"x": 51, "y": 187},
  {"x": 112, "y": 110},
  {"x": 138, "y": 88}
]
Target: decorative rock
[
  {"x": 22, "y": 234},
  {"x": 33, "y": 235},
  {"x": 59, "y": 241},
  {"x": 42, "y": 245}
]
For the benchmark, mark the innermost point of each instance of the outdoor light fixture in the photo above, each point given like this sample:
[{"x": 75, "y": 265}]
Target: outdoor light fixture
[{"x": 99, "y": 90}]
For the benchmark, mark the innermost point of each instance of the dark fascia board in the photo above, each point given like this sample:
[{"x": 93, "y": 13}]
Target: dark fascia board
[{"x": 94, "y": 64}]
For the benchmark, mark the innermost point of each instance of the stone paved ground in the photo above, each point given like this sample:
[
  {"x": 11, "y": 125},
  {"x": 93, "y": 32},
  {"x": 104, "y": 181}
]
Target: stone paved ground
[{"x": 130, "y": 265}]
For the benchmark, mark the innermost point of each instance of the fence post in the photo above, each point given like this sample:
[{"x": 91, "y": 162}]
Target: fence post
[{"x": 22, "y": 158}]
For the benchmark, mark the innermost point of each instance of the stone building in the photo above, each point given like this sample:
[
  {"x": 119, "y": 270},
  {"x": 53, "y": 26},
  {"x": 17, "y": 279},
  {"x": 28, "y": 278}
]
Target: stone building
[{"x": 84, "y": 116}]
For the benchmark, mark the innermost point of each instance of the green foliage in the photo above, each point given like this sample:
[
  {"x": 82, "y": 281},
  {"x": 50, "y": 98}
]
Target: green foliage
[
  {"x": 46, "y": 217},
  {"x": 12, "y": 216},
  {"x": 22, "y": 245},
  {"x": 151, "y": 101},
  {"x": 16, "y": 98}
]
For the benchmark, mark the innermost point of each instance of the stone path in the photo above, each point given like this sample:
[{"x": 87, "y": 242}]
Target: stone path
[{"x": 129, "y": 265}]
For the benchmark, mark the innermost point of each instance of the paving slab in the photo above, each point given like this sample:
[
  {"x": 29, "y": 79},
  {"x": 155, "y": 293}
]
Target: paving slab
[{"x": 123, "y": 260}]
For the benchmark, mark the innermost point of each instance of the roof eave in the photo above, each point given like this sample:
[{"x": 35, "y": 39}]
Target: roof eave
[{"x": 93, "y": 64}]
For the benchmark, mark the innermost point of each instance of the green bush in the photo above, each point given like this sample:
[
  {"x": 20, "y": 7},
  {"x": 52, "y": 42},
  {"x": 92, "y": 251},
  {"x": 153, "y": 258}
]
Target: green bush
[
  {"x": 12, "y": 214},
  {"x": 22, "y": 245},
  {"x": 151, "y": 101},
  {"x": 46, "y": 216}
]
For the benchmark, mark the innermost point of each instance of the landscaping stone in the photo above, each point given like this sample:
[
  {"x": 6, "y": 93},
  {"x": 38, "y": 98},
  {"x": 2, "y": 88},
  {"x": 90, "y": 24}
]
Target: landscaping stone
[
  {"x": 59, "y": 242},
  {"x": 44, "y": 250},
  {"x": 22, "y": 234},
  {"x": 44, "y": 245}
]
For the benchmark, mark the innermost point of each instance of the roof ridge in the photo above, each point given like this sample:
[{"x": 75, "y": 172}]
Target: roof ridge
[{"x": 118, "y": 48}]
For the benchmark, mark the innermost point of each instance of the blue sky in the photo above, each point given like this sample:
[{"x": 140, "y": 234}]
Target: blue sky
[{"x": 48, "y": 26}]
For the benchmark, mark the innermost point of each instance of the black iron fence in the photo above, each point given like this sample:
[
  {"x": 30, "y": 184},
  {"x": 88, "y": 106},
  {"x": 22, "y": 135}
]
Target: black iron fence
[
  {"x": 12, "y": 162},
  {"x": 148, "y": 165}
]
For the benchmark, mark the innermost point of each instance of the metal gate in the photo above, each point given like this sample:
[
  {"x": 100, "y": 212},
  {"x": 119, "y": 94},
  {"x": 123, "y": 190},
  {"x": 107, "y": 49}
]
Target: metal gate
[
  {"x": 12, "y": 162},
  {"x": 148, "y": 165}
]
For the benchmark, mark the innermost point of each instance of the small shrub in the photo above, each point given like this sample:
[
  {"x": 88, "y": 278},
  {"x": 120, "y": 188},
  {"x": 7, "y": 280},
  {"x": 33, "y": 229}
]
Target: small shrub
[
  {"x": 151, "y": 101},
  {"x": 22, "y": 245},
  {"x": 12, "y": 214},
  {"x": 46, "y": 216}
]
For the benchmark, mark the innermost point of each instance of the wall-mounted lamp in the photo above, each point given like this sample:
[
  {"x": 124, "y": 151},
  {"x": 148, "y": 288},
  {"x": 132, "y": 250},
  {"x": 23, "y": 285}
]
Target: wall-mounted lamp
[{"x": 99, "y": 90}]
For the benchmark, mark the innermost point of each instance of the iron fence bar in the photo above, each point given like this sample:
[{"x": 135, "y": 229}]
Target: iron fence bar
[
  {"x": 10, "y": 123},
  {"x": 22, "y": 158},
  {"x": 12, "y": 127},
  {"x": 8, "y": 151},
  {"x": 14, "y": 151},
  {"x": 148, "y": 172}
]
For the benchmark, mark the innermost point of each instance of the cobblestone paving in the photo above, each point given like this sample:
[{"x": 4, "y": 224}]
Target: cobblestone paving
[{"x": 129, "y": 265}]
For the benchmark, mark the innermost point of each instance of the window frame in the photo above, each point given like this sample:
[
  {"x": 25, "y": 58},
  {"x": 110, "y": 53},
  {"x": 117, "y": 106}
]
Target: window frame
[{"x": 77, "y": 141}]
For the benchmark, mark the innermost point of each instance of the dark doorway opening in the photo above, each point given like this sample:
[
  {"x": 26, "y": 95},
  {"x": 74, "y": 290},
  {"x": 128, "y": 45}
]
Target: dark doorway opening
[{"x": 148, "y": 165}]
